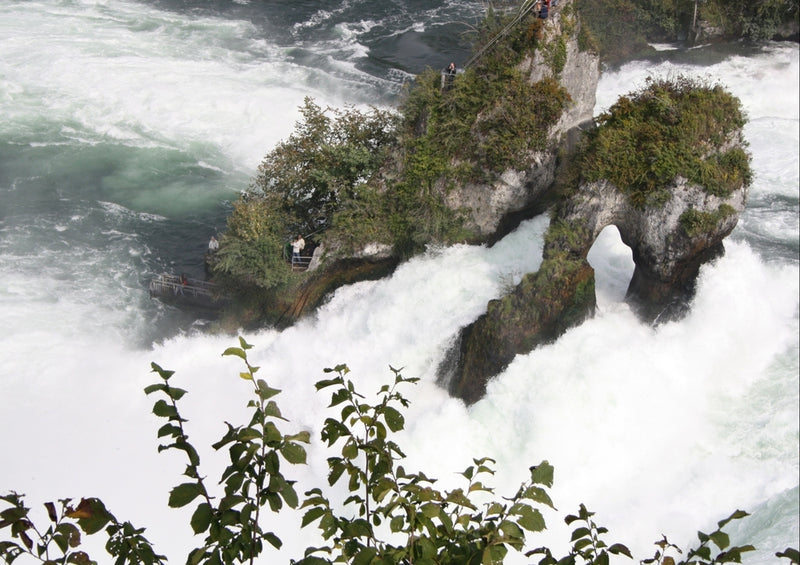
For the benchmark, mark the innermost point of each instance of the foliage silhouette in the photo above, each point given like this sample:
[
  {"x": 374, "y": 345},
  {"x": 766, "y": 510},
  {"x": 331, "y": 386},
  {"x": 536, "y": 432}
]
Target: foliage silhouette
[{"x": 392, "y": 516}]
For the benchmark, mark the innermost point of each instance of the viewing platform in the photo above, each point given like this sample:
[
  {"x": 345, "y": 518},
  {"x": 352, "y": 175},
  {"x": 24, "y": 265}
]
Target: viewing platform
[{"x": 182, "y": 290}]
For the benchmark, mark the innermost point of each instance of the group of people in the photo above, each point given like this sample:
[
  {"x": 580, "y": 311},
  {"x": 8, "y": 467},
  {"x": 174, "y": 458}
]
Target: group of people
[{"x": 298, "y": 244}]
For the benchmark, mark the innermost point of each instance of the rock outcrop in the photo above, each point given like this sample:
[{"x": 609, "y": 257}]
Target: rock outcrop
[
  {"x": 489, "y": 209},
  {"x": 671, "y": 229},
  {"x": 515, "y": 191}
]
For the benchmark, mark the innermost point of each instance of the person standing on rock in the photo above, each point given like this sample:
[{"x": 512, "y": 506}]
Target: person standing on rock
[{"x": 297, "y": 246}]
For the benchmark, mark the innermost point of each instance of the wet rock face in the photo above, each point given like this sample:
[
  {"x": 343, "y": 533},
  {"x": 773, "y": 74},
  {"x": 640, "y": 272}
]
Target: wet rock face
[
  {"x": 667, "y": 258},
  {"x": 544, "y": 305},
  {"x": 670, "y": 241},
  {"x": 487, "y": 205}
]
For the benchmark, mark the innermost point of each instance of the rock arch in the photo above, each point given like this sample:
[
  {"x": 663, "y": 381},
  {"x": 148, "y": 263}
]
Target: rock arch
[
  {"x": 667, "y": 248},
  {"x": 612, "y": 261}
]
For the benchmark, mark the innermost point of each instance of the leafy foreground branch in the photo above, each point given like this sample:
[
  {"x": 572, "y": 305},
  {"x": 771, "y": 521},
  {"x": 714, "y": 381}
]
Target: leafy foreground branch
[{"x": 392, "y": 516}]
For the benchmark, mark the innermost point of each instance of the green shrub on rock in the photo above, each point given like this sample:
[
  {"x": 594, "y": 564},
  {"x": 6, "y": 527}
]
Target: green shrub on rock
[{"x": 671, "y": 127}]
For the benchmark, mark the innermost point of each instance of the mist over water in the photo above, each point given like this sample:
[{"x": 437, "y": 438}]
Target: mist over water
[{"x": 128, "y": 128}]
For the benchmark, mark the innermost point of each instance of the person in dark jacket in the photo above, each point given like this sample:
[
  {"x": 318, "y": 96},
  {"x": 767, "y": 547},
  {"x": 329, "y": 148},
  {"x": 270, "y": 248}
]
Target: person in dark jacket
[{"x": 544, "y": 8}]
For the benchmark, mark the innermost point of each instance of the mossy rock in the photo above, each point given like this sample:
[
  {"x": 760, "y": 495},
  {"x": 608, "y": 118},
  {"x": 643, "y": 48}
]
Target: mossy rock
[{"x": 544, "y": 305}]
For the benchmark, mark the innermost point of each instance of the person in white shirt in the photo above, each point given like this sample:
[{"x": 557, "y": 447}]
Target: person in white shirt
[{"x": 297, "y": 246}]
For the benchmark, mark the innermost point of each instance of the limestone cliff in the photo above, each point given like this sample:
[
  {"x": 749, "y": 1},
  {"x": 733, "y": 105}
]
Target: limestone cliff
[
  {"x": 499, "y": 192},
  {"x": 559, "y": 58},
  {"x": 681, "y": 179}
]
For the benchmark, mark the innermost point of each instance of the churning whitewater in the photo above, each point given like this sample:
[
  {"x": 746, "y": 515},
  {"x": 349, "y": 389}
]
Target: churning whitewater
[{"x": 130, "y": 126}]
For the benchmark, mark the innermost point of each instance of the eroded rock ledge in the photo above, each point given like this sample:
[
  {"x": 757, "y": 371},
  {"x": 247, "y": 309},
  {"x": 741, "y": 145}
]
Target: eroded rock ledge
[{"x": 681, "y": 227}]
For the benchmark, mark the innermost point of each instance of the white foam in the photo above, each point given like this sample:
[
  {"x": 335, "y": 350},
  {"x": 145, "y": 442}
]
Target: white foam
[{"x": 172, "y": 81}]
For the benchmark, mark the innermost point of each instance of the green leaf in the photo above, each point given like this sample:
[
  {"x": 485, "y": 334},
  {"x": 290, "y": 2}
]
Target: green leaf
[
  {"x": 430, "y": 509},
  {"x": 154, "y": 388},
  {"x": 734, "y": 555},
  {"x": 79, "y": 558},
  {"x": 538, "y": 494},
  {"x": 91, "y": 515},
  {"x": 230, "y": 501},
  {"x": 457, "y": 497},
  {"x": 51, "y": 511},
  {"x": 350, "y": 450},
  {"x": 396, "y": 524},
  {"x": 71, "y": 533},
  {"x": 201, "y": 519},
  {"x": 175, "y": 393},
  {"x": 305, "y": 437},
  {"x": 790, "y": 553},
  {"x": 183, "y": 494},
  {"x": 511, "y": 530},
  {"x": 274, "y": 540},
  {"x": 289, "y": 495},
  {"x": 312, "y": 515},
  {"x": 248, "y": 434},
  {"x": 164, "y": 410},
  {"x": 579, "y": 533},
  {"x": 580, "y": 544},
  {"x": 164, "y": 374},
  {"x": 495, "y": 508},
  {"x": 542, "y": 474},
  {"x": 169, "y": 430},
  {"x": 336, "y": 469},
  {"x": 265, "y": 392},
  {"x": 737, "y": 515},
  {"x": 235, "y": 351},
  {"x": 618, "y": 549},
  {"x": 271, "y": 410},
  {"x": 721, "y": 539},
  {"x": 494, "y": 555},
  {"x": 319, "y": 385},
  {"x": 394, "y": 419},
  {"x": 272, "y": 434},
  {"x": 704, "y": 552},
  {"x": 338, "y": 397},
  {"x": 365, "y": 556},
  {"x": 195, "y": 556},
  {"x": 294, "y": 453},
  {"x": 532, "y": 520}
]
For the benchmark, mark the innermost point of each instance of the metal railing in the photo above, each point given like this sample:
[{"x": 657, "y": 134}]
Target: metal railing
[
  {"x": 174, "y": 285},
  {"x": 524, "y": 9},
  {"x": 300, "y": 263}
]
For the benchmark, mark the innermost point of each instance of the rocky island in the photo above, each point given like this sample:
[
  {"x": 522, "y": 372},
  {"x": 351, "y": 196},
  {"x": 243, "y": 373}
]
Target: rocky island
[{"x": 467, "y": 157}]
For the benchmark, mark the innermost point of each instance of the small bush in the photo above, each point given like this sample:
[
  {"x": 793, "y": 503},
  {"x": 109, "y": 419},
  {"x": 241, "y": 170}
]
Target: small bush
[
  {"x": 670, "y": 127},
  {"x": 696, "y": 223}
]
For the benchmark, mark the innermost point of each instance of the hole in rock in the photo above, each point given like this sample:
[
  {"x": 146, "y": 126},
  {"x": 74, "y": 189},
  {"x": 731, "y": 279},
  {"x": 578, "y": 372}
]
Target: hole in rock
[{"x": 613, "y": 266}]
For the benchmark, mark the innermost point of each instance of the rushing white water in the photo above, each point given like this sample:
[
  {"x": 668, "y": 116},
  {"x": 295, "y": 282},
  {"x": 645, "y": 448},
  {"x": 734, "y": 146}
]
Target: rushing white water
[{"x": 657, "y": 429}]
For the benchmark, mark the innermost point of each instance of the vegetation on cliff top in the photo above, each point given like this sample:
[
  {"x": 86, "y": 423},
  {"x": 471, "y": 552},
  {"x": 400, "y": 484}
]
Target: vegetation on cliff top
[
  {"x": 621, "y": 29},
  {"x": 376, "y": 176},
  {"x": 669, "y": 128}
]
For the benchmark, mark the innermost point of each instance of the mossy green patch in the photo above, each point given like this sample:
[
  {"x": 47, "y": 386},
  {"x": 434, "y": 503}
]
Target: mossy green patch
[
  {"x": 672, "y": 127},
  {"x": 696, "y": 223}
]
